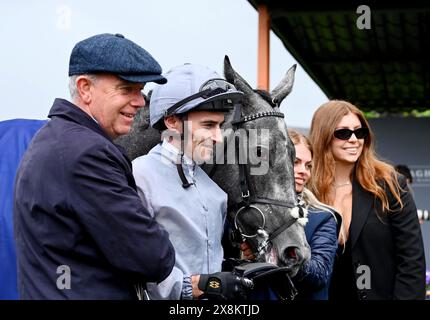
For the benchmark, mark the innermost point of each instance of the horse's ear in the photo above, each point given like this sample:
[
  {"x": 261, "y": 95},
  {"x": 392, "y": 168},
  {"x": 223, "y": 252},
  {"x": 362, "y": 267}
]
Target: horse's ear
[
  {"x": 234, "y": 78},
  {"x": 284, "y": 88}
]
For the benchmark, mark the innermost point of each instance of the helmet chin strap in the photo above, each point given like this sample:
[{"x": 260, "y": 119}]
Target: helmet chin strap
[{"x": 179, "y": 168}]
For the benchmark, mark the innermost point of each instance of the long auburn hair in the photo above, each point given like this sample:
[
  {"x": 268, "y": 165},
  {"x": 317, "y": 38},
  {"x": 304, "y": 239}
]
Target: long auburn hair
[{"x": 369, "y": 171}]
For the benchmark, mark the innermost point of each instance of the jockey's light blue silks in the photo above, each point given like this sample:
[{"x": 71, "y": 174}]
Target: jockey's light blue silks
[{"x": 194, "y": 217}]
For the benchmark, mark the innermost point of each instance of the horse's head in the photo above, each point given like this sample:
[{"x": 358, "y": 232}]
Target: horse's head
[{"x": 260, "y": 180}]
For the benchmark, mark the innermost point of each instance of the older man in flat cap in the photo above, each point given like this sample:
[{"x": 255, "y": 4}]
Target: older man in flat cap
[{"x": 80, "y": 228}]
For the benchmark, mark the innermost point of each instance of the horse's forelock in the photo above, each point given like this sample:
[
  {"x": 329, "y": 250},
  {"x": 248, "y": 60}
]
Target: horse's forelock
[{"x": 266, "y": 96}]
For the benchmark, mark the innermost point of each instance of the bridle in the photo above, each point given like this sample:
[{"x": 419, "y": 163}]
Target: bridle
[{"x": 249, "y": 199}]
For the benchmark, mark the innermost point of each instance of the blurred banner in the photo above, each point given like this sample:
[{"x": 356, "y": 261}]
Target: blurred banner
[
  {"x": 406, "y": 141},
  {"x": 15, "y": 135}
]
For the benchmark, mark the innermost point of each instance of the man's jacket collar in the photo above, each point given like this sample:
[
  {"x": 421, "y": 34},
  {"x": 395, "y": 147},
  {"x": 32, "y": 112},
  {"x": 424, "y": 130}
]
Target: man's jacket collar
[{"x": 65, "y": 109}]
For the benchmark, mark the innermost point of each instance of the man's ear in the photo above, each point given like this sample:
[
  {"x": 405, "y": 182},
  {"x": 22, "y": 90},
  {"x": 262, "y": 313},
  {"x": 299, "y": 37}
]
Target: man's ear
[
  {"x": 83, "y": 85},
  {"x": 173, "y": 123}
]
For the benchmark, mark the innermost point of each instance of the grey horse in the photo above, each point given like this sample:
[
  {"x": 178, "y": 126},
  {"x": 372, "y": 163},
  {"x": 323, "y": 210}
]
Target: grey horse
[{"x": 254, "y": 167}]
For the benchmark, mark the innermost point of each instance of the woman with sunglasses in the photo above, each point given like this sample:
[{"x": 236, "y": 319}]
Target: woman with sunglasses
[{"x": 382, "y": 254}]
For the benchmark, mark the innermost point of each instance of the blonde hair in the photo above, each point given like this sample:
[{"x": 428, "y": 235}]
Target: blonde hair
[
  {"x": 369, "y": 171},
  {"x": 298, "y": 138}
]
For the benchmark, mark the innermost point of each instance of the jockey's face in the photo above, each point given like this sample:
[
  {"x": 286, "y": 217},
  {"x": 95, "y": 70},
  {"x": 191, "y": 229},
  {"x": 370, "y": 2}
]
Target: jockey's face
[{"x": 205, "y": 130}]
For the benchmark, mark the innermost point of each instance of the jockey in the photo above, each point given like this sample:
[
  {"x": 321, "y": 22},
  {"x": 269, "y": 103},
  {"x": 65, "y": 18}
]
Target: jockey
[{"x": 189, "y": 110}]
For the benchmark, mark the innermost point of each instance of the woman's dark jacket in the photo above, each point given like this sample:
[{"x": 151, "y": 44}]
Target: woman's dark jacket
[{"x": 384, "y": 254}]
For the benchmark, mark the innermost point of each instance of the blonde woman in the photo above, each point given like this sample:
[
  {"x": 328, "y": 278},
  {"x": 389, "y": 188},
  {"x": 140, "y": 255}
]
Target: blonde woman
[
  {"x": 313, "y": 279},
  {"x": 382, "y": 254}
]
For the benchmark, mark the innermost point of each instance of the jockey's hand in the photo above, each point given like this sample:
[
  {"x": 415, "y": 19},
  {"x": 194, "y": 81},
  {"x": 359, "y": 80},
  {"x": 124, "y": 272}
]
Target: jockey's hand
[
  {"x": 246, "y": 251},
  {"x": 224, "y": 286}
]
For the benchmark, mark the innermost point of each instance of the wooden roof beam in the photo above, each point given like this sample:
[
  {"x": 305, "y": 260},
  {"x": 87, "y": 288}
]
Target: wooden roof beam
[{"x": 263, "y": 63}]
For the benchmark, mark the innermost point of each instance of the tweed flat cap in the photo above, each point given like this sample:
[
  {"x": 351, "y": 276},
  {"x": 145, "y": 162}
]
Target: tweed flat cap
[{"x": 114, "y": 54}]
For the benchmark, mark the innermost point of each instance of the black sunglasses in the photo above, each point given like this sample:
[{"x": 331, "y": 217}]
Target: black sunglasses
[{"x": 345, "y": 134}]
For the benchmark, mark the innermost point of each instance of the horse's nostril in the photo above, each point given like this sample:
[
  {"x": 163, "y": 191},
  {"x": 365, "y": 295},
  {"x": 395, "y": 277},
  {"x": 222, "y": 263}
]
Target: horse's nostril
[{"x": 292, "y": 255}]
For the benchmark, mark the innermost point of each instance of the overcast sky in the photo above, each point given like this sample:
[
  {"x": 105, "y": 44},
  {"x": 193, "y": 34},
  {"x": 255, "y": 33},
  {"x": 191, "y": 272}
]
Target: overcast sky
[{"x": 38, "y": 36}]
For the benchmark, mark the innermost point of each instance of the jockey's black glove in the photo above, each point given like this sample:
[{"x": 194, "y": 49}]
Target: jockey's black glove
[{"x": 224, "y": 286}]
